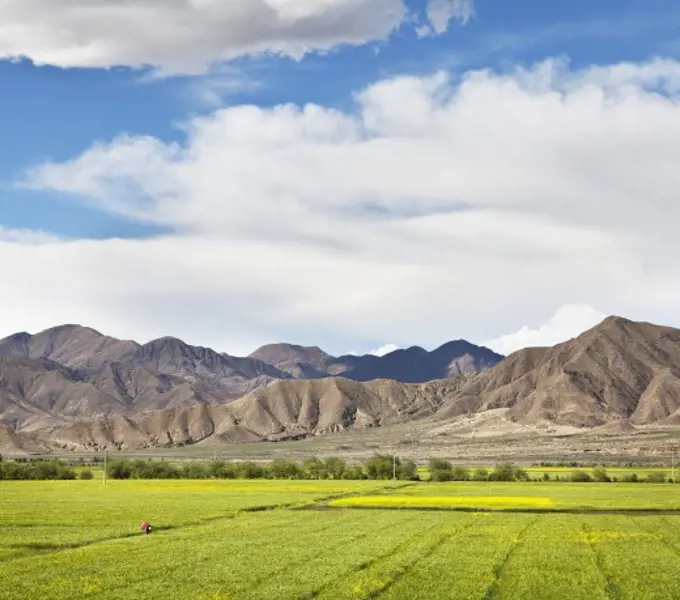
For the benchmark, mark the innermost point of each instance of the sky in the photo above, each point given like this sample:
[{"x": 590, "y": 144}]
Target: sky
[{"x": 361, "y": 175}]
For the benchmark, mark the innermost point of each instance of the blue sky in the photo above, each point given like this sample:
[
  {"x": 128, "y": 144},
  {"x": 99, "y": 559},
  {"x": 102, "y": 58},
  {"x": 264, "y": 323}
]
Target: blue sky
[{"x": 54, "y": 112}]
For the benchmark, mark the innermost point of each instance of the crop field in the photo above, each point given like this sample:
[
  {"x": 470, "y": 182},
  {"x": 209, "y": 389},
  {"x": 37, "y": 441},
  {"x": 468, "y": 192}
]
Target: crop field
[
  {"x": 75, "y": 540},
  {"x": 523, "y": 496}
]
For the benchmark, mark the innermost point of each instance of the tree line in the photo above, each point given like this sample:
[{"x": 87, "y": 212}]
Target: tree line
[
  {"x": 40, "y": 470},
  {"x": 379, "y": 466}
]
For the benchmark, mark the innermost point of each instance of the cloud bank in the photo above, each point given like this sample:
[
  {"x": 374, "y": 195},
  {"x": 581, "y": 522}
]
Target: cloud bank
[
  {"x": 187, "y": 36},
  {"x": 434, "y": 210}
]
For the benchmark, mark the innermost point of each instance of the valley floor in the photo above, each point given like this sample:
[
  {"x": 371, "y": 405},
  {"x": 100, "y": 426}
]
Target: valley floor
[{"x": 211, "y": 540}]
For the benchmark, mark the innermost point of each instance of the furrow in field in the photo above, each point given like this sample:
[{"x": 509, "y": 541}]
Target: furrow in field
[
  {"x": 374, "y": 577},
  {"x": 462, "y": 567},
  {"x": 243, "y": 563},
  {"x": 493, "y": 590},
  {"x": 260, "y": 536},
  {"x": 611, "y": 588},
  {"x": 637, "y": 563},
  {"x": 553, "y": 561}
]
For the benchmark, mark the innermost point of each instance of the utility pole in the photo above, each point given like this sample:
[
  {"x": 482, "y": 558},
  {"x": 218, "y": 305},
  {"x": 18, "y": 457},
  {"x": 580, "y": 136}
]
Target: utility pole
[
  {"x": 673, "y": 464},
  {"x": 104, "y": 467}
]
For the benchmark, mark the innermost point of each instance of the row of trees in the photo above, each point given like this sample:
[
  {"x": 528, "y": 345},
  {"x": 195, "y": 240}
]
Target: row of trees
[
  {"x": 40, "y": 470},
  {"x": 380, "y": 466},
  {"x": 443, "y": 470}
]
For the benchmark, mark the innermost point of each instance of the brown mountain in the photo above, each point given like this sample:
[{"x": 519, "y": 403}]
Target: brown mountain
[
  {"x": 616, "y": 375},
  {"x": 284, "y": 410},
  {"x": 619, "y": 370},
  {"x": 416, "y": 365},
  {"x": 301, "y": 362},
  {"x": 72, "y": 373},
  {"x": 69, "y": 345},
  {"x": 412, "y": 365}
]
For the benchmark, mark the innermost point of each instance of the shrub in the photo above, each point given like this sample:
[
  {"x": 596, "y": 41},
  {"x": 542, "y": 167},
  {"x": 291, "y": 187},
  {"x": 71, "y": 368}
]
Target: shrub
[
  {"x": 86, "y": 474},
  {"x": 546, "y": 476},
  {"x": 580, "y": 477},
  {"x": 439, "y": 464},
  {"x": 250, "y": 470},
  {"x": 480, "y": 474},
  {"x": 335, "y": 467},
  {"x": 355, "y": 472},
  {"x": 441, "y": 476},
  {"x": 630, "y": 478},
  {"x": 508, "y": 472},
  {"x": 408, "y": 470},
  {"x": 460, "y": 474},
  {"x": 380, "y": 466},
  {"x": 600, "y": 475},
  {"x": 282, "y": 468},
  {"x": 440, "y": 470},
  {"x": 657, "y": 477}
]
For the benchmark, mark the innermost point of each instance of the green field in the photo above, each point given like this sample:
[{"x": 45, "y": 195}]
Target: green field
[
  {"x": 527, "y": 496},
  {"x": 72, "y": 539}
]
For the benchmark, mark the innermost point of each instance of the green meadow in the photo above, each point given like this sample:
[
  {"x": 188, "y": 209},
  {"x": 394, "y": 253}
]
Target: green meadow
[{"x": 267, "y": 539}]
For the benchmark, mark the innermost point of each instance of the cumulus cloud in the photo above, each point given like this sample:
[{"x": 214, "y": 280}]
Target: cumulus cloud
[
  {"x": 26, "y": 236},
  {"x": 187, "y": 36},
  {"x": 434, "y": 210},
  {"x": 383, "y": 350},
  {"x": 568, "y": 322},
  {"x": 441, "y": 12}
]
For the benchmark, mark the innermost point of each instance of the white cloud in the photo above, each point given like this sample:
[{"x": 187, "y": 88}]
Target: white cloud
[
  {"x": 434, "y": 211},
  {"x": 383, "y": 350},
  {"x": 441, "y": 12},
  {"x": 568, "y": 322},
  {"x": 26, "y": 236},
  {"x": 186, "y": 36}
]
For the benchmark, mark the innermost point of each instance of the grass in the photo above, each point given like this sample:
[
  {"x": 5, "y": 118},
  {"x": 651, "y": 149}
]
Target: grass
[
  {"x": 67, "y": 540},
  {"x": 43, "y": 516},
  {"x": 452, "y": 502},
  {"x": 532, "y": 496}
]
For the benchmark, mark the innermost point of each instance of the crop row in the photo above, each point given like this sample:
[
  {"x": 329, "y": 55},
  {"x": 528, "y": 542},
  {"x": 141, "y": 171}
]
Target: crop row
[{"x": 360, "y": 555}]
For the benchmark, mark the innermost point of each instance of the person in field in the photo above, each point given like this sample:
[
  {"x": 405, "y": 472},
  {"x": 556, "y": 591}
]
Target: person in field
[{"x": 146, "y": 528}]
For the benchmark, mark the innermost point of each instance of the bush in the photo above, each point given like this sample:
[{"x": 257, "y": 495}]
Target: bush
[
  {"x": 480, "y": 474},
  {"x": 441, "y": 476},
  {"x": 355, "y": 472},
  {"x": 250, "y": 470},
  {"x": 408, "y": 470},
  {"x": 630, "y": 478},
  {"x": 193, "y": 470},
  {"x": 600, "y": 475},
  {"x": 439, "y": 464},
  {"x": 508, "y": 472},
  {"x": 86, "y": 474},
  {"x": 440, "y": 470},
  {"x": 335, "y": 467},
  {"x": 580, "y": 477},
  {"x": 658, "y": 477},
  {"x": 283, "y": 468},
  {"x": 546, "y": 476},
  {"x": 460, "y": 474}
]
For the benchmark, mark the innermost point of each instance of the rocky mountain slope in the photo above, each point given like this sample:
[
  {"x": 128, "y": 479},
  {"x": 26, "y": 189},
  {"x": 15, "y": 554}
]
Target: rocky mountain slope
[
  {"x": 283, "y": 411},
  {"x": 72, "y": 373},
  {"x": 412, "y": 365},
  {"x": 617, "y": 376},
  {"x": 620, "y": 371}
]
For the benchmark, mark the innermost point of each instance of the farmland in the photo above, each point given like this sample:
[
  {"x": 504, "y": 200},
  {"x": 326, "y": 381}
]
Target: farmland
[{"x": 80, "y": 539}]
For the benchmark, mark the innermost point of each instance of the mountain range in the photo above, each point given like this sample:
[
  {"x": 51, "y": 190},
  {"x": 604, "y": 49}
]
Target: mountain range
[
  {"x": 72, "y": 373},
  {"x": 71, "y": 387}
]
